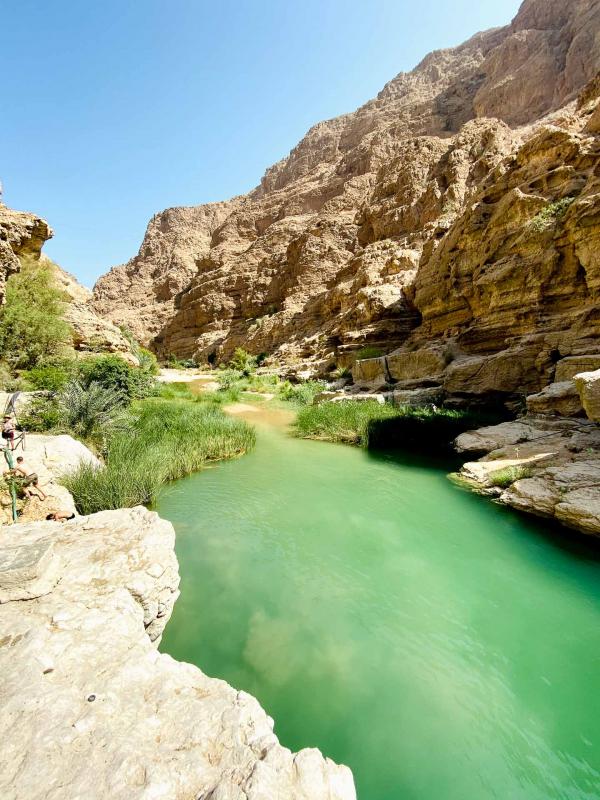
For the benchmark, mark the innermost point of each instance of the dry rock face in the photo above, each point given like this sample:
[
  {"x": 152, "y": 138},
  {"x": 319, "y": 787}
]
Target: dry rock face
[
  {"x": 86, "y": 694},
  {"x": 458, "y": 208},
  {"x": 22, "y": 236},
  {"x": 562, "y": 462}
]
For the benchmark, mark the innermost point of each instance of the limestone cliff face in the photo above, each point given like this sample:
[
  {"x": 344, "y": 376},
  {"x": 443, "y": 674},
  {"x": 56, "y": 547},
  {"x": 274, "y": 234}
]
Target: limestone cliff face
[
  {"x": 413, "y": 209},
  {"x": 86, "y": 694},
  {"x": 22, "y": 236}
]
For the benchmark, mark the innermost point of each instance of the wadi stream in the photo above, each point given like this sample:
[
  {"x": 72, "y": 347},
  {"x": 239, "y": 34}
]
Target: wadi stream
[{"x": 443, "y": 647}]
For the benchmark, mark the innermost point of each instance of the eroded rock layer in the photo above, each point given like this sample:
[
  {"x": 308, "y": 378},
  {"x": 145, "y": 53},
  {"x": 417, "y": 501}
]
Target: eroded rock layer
[
  {"x": 90, "y": 708},
  {"x": 458, "y": 208}
]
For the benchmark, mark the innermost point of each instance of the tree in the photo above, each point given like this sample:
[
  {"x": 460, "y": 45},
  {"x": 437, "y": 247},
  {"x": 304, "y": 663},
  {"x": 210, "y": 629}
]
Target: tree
[{"x": 31, "y": 321}]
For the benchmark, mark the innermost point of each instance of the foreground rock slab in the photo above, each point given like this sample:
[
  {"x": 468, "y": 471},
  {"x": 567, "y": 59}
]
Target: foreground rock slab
[{"x": 90, "y": 709}]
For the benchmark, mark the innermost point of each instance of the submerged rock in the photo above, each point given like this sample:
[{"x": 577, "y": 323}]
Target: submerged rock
[{"x": 89, "y": 707}]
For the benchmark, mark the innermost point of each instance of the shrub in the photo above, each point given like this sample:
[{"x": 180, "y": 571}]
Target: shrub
[
  {"x": 31, "y": 321},
  {"x": 5, "y": 377},
  {"x": 242, "y": 361},
  {"x": 112, "y": 372},
  {"x": 346, "y": 421},
  {"x": 229, "y": 378},
  {"x": 503, "y": 478},
  {"x": 301, "y": 393},
  {"x": 550, "y": 214},
  {"x": 369, "y": 351},
  {"x": 41, "y": 415},
  {"x": 92, "y": 412},
  {"x": 49, "y": 377},
  {"x": 148, "y": 362},
  {"x": 177, "y": 363},
  {"x": 341, "y": 372}
]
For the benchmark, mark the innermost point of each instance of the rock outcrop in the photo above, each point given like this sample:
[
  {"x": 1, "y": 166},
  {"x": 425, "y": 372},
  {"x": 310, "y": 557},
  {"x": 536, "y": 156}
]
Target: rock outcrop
[
  {"x": 549, "y": 467},
  {"x": 458, "y": 208},
  {"x": 86, "y": 694},
  {"x": 22, "y": 236},
  {"x": 588, "y": 386}
]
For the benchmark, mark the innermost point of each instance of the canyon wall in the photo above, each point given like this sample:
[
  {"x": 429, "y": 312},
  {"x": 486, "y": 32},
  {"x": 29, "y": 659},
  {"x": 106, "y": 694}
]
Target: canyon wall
[{"x": 456, "y": 210}]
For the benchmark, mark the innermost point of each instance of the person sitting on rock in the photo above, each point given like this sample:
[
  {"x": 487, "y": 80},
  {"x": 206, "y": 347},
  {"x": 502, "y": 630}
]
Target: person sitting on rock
[
  {"x": 8, "y": 430},
  {"x": 30, "y": 480},
  {"x": 60, "y": 516}
]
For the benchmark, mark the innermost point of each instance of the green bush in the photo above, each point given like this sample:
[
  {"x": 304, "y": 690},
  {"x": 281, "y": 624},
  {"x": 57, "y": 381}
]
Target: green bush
[
  {"x": 243, "y": 362},
  {"x": 112, "y": 372},
  {"x": 548, "y": 216},
  {"x": 167, "y": 440},
  {"x": 503, "y": 478},
  {"x": 301, "y": 393},
  {"x": 341, "y": 372},
  {"x": 49, "y": 377},
  {"x": 148, "y": 362},
  {"x": 31, "y": 320},
  {"x": 230, "y": 378},
  {"x": 173, "y": 362},
  {"x": 41, "y": 415},
  {"x": 345, "y": 421}
]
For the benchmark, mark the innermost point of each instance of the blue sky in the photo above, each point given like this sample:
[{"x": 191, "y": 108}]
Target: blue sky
[{"x": 112, "y": 111}]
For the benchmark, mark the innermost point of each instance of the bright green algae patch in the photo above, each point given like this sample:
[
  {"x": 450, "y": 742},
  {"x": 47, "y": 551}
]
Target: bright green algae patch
[{"x": 441, "y": 646}]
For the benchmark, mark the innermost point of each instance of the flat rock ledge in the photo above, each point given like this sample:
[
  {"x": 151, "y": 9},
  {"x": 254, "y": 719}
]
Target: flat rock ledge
[
  {"x": 88, "y": 706},
  {"x": 560, "y": 459}
]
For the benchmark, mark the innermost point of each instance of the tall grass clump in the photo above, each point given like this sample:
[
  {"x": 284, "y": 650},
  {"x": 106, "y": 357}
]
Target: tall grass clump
[
  {"x": 347, "y": 421},
  {"x": 175, "y": 391},
  {"x": 369, "y": 351},
  {"x": 167, "y": 439},
  {"x": 370, "y": 424}
]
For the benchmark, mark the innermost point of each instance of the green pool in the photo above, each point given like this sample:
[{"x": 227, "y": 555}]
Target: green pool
[{"x": 442, "y": 647}]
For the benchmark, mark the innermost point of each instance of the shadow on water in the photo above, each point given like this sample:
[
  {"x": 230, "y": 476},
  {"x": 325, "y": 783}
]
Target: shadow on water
[
  {"x": 428, "y": 433},
  {"x": 427, "y": 444}
]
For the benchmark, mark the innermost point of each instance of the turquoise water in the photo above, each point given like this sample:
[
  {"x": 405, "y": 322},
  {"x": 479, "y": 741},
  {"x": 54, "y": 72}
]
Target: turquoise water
[{"x": 441, "y": 646}]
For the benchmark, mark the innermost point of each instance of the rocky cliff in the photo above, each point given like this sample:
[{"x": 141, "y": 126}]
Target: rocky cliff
[
  {"x": 22, "y": 236},
  {"x": 457, "y": 211},
  {"x": 90, "y": 708}
]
